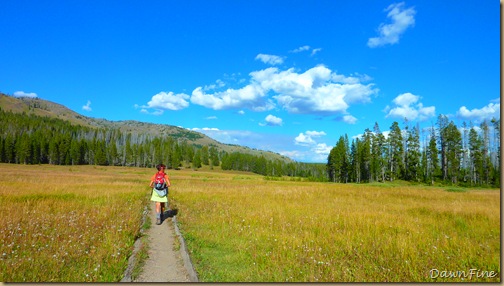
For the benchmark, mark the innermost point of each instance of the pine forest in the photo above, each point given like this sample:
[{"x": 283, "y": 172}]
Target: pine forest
[{"x": 444, "y": 154}]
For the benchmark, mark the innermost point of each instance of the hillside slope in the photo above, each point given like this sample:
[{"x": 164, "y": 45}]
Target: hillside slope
[{"x": 41, "y": 107}]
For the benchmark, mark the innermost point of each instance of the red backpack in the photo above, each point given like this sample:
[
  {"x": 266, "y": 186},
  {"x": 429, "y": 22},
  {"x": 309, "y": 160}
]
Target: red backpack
[{"x": 159, "y": 181}]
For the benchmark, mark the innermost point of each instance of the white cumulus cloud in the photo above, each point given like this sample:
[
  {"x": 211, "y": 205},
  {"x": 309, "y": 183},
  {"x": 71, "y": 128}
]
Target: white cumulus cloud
[
  {"x": 168, "y": 101},
  {"x": 272, "y": 120},
  {"x": 406, "y": 99},
  {"x": 322, "y": 149},
  {"x": 250, "y": 96},
  {"x": 401, "y": 18},
  {"x": 479, "y": 115},
  {"x": 25, "y": 94},
  {"x": 349, "y": 119},
  {"x": 303, "y": 140},
  {"x": 306, "y": 139},
  {"x": 317, "y": 152},
  {"x": 408, "y": 106},
  {"x": 318, "y": 90},
  {"x": 270, "y": 59},
  {"x": 314, "y": 91}
]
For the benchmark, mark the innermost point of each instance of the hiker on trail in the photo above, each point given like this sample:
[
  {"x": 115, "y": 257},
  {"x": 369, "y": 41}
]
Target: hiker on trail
[{"x": 159, "y": 184}]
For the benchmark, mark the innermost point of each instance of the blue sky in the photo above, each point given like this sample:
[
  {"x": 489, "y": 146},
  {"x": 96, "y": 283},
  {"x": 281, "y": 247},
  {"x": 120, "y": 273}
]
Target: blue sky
[{"x": 285, "y": 76}]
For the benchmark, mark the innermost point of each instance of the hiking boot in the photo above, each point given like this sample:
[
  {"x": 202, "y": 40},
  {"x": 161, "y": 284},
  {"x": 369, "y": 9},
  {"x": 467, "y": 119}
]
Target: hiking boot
[{"x": 158, "y": 221}]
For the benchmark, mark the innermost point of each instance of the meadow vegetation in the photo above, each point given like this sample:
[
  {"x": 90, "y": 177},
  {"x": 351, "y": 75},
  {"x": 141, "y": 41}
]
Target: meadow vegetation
[
  {"x": 241, "y": 227},
  {"x": 69, "y": 223},
  {"x": 79, "y": 223}
]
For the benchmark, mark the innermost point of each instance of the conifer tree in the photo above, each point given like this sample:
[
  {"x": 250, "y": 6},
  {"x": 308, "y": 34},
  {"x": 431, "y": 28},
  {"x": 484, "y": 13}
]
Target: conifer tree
[
  {"x": 196, "y": 160},
  {"x": 413, "y": 155},
  {"x": 395, "y": 152},
  {"x": 214, "y": 156}
]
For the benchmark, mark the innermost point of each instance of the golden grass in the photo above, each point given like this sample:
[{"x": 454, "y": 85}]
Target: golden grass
[
  {"x": 69, "y": 223},
  {"x": 241, "y": 228}
]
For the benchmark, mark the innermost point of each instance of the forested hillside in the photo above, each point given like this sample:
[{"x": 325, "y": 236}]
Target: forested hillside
[
  {"x": 44, "y": 108},
  {"x": 468, "y": 156},
  {"x": 26, "y": 138}
]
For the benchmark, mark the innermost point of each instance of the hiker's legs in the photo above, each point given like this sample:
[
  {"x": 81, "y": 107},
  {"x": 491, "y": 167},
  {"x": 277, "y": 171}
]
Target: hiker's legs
[{"x": 158, "y": 212}]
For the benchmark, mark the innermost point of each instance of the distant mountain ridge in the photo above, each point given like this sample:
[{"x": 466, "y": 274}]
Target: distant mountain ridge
[{"x": 42, "y": 107}]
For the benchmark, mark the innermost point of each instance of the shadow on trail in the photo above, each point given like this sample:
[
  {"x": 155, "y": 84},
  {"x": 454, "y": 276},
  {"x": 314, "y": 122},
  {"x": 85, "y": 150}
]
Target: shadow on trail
[{"x": 168, "y": 214}]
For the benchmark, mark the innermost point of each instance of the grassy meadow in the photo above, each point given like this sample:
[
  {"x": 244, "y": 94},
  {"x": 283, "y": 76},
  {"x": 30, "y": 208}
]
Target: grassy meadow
[
  {"x": 69, "y": 223},
  {"x": 241, "y": 227},
  {"x": 78, "y": 223}
]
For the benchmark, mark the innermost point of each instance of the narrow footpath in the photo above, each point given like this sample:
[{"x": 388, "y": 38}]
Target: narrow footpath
[{"x": 165, "y": 264}]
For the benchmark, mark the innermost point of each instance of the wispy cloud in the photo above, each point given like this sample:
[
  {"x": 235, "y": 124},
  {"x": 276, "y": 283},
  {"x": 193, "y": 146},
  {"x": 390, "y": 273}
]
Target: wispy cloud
[
  {"x": 479, "y": 115},
  {"x": 314, "y": 51},
  {"x": 306, "y": 48},
  {"x": 205, "y": 129},
  {"x": 301, "y": 49},
  {"x": 408, "y": 106},
  {"x": 25, "y": 94},
  {"x": 87, "y": 107},
  {"x": 270, "y": 59},
  {"x": 307, "y": 146},
  {"x": 218, "y": 84},
  {"x": 240, "y": 137},
  {"x": 144, "y": 110},
  {"x": 401, "y": 18}
]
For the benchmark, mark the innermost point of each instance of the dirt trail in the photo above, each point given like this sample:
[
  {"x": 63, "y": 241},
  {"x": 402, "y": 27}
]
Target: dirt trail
[{"x": 165, "y": 264}]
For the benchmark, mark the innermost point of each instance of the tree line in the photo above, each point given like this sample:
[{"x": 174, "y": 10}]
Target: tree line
[
  {"x": 467, "y": 156},
  {"x": 31, "y": 139},
  {"x": 273, "y": 168},
  {"x": 464, "y": 156}
]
